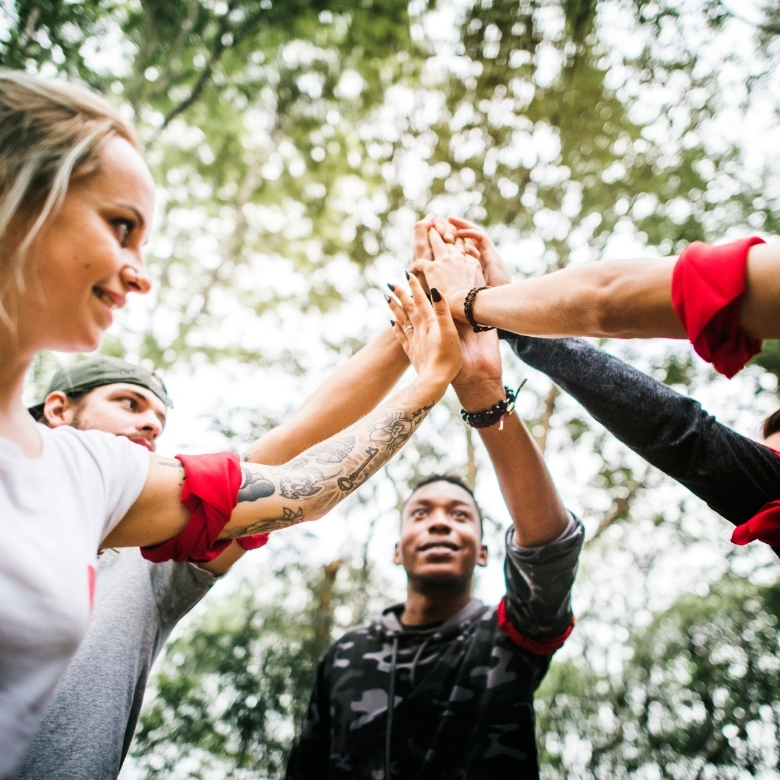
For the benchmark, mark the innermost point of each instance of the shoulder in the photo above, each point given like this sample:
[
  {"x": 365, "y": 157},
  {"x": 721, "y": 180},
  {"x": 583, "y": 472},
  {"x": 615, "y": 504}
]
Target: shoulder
[
  {"x": 103, "y": 449},
  {"x": 352, "y": 642}
]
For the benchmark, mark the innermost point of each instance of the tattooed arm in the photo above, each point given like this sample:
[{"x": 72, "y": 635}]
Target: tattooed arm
[
  {"x": 351, "y": 392},
  {"x": 274, "y": 497}
]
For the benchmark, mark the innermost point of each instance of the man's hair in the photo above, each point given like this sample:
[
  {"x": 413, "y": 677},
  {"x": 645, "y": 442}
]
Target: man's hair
[
  {"x": 771, "y": 424},
  {"x": 74, "y": 396},
  {"x": 453, "y": 479}
]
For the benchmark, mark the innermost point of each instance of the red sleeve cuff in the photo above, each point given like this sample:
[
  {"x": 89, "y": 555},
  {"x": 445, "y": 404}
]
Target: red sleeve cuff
[
  {"x": 210, "y": 492},
  {"x": 764, "y": 526},
  {"x": 252, "y": 542},
  {"x": 537, "y": 647},
  {"x": 707, "y": 284}
]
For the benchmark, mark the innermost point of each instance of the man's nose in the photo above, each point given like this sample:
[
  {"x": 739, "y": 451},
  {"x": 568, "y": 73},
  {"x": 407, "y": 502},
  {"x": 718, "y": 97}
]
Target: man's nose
[
  {"x": 439, "y": 522},
  {"x": 150, "y": 423}
]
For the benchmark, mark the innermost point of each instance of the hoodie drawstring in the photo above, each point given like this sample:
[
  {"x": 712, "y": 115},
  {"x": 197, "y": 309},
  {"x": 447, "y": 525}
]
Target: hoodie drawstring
[
  {"x": 416, "y": 659},
  {"x": 390, "y": 708}
]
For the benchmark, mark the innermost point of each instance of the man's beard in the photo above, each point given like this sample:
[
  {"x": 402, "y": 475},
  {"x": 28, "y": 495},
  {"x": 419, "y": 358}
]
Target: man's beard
[{"x": 448, "y": 585}]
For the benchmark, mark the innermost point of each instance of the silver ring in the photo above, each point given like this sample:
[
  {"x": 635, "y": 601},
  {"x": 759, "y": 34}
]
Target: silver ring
[{"x": 408, "y": 328}]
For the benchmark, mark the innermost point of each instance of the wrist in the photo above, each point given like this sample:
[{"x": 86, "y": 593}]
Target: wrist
[
  {"x": 480, "y": 393},
  {"x": 431, "y": 386},
  {"x": 456, "y": 301}
]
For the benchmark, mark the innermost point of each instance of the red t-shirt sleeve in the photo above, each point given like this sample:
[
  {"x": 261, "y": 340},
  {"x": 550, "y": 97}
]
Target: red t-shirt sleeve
[
  {"x": 707, "y": 284},
  {"x": 210, "y": 492}
]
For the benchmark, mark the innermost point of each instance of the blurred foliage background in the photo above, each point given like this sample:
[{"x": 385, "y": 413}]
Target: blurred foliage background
[{"x": 294, "y": 144}]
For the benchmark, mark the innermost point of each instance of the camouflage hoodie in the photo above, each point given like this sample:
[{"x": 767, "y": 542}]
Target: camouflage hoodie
[{"x": 448, "y": 701}]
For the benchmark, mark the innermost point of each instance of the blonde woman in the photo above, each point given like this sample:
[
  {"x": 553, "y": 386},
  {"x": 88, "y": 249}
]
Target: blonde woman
[{"x": 76, "y": 203}]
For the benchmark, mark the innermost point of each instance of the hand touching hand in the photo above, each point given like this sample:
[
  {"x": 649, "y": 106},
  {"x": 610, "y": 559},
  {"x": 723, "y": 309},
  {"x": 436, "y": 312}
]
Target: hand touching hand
[
  {"x": 493, "y": 266},
  {"x": 426, "y": 331},
  {"x": 453, "y": 270}
]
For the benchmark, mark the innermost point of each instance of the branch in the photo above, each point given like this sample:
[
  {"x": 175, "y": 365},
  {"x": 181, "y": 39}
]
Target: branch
[
  {"x": 549, "y": 409},
  {"x": 619, "y": 508},
  {"x": 471, "y": 461}
]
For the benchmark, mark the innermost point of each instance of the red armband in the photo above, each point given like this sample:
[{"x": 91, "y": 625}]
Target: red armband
[
  {"x": 707, "y": 284},
  {"x": 764, "y": 526},
  {"x": 210, "y": 492},
  {"x": 537, "y": 647},
  {"x": 252, "y": 542}
]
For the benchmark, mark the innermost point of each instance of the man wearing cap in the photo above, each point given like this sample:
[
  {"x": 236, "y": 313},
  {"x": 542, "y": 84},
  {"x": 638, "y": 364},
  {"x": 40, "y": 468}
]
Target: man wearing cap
[{"x": 88, "y": 725}]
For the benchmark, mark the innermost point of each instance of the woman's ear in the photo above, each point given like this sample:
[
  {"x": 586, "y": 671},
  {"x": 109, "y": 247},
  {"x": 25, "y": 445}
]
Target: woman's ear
[{"x": 57, "y": 409}]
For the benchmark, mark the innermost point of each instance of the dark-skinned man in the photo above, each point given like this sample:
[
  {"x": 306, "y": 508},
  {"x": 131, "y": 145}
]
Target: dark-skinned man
[{"x": 441, "y": 686}]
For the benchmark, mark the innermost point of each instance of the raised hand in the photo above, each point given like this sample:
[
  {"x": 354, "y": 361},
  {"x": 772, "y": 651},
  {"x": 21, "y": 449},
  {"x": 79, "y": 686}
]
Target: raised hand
[
  {"x": 493, "y": 266},
  {"x": 426, "y": 331},
  {"x": 453, "y": 270}
]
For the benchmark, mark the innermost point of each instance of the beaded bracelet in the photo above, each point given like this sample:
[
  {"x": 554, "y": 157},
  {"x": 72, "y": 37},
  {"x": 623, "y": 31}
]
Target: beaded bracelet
[
  {"x": 468, "y": 305},
  {"x": 496, "y": 414}
]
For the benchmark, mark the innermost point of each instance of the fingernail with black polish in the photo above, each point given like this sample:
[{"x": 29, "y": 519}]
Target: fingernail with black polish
[
  {"x": 435, "y": 294},
  {"x": 392, "y": 323},
  {"x": 391, "y": 286},
  {"x": 387, "y": 298},
  {"x": 407, "y": 276}
]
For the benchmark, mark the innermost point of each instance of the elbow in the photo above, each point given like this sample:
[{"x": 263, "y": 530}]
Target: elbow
[{"x": 608, "y": 308}]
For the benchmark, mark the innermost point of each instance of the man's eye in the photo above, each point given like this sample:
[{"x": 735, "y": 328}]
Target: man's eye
[{"x": 130, "y": 403}]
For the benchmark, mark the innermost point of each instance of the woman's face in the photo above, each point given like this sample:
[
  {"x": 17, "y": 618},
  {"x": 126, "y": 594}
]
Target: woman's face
[{"x": 87, "y": 258}]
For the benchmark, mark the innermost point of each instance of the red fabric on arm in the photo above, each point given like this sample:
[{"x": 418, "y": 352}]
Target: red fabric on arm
[
  {"x": 764, "y": 526},
  {"x": 707, "y": 284},
  {"x": 210, "y": 492},
  {"x": 535, "y": 646},
  {"x": 252, "y": 542}
]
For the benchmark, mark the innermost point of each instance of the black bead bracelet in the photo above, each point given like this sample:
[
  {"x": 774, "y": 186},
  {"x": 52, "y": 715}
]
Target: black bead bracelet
[{"x": 496, "y": 414}]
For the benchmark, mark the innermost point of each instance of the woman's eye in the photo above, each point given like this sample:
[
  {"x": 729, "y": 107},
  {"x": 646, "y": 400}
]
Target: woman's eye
[{"x": 123, "y": 229}]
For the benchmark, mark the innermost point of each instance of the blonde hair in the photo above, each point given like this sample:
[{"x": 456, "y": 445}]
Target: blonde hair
[{"x": 50, "y": 132}]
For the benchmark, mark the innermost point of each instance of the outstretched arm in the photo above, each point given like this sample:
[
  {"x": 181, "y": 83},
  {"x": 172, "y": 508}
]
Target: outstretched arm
[
  {"x": 544, "y": 545},
  {"x": 351, "y": 392},
  {"x": 735, "y": 475},
  {"x": 527, "y": 487},
  {"x": 610, "y": 298},
  {"x": 306, "y": 488}
]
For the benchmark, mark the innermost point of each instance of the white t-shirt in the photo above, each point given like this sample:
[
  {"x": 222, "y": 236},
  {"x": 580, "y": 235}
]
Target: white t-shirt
[{"x": 54, "y": 512}]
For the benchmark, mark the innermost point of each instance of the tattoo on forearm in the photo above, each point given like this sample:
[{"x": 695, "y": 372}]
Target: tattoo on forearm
[
  {"x": 392, "y": 430},
  {"x": 173, "y": 464},
  {"x": 302, "y": 484},
  {"x": 335, "y": 450},
  {"x": 254, "y": 486},
  {"x": 350, "y": 482},
  {"x": 288, "y": 517},
  {"x": 352, "y": 457}
]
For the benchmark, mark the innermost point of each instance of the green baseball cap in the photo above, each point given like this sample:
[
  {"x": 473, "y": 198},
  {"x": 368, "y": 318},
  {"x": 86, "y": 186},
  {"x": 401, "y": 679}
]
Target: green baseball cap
[{"x": 98, "y": 371}]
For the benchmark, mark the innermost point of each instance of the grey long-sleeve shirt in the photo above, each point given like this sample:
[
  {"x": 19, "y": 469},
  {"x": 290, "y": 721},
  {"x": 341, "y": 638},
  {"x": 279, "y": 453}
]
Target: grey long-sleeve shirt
[
  {"x": 89, "y": 724},
  {"x": 735, "y": 475}
]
